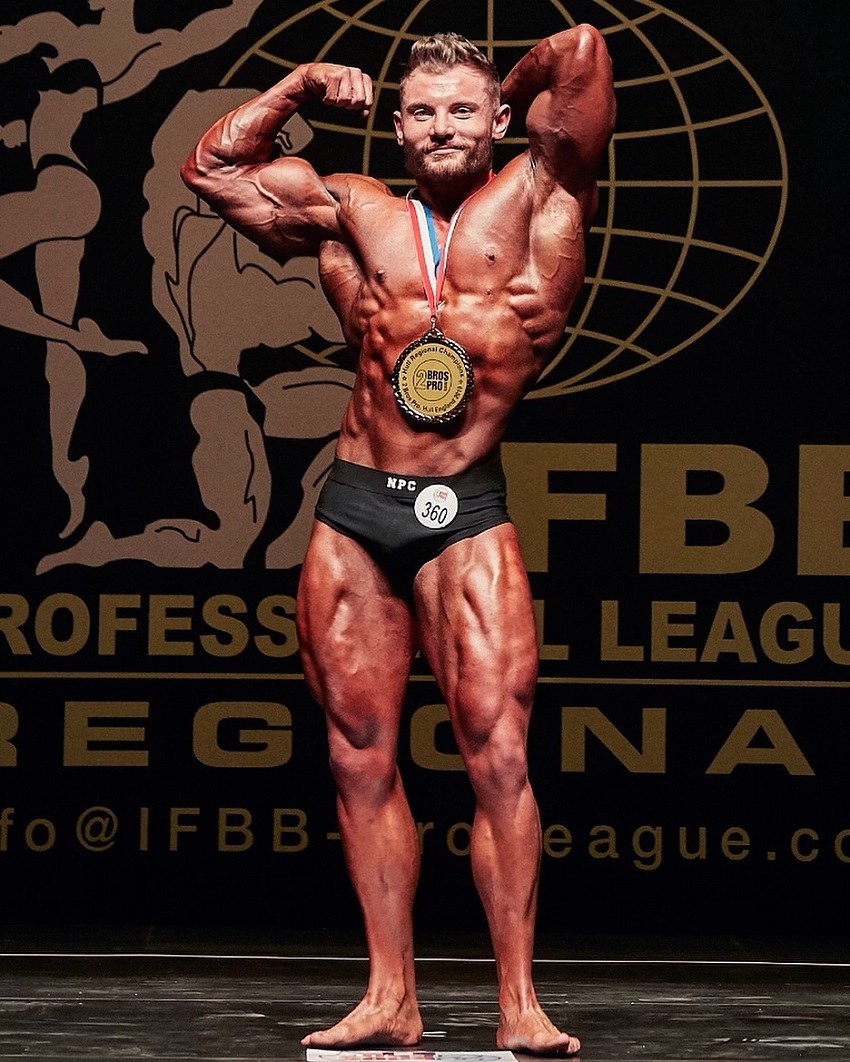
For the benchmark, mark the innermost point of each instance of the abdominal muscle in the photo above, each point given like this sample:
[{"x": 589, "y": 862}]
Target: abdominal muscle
[
  {"x": 375, "y": 430},
  {"x": 505, "y": 313}
]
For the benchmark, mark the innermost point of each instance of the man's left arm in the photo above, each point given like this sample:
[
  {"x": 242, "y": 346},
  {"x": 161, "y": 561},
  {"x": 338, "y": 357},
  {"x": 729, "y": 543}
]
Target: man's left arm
[{"x": 564, "y": 89}]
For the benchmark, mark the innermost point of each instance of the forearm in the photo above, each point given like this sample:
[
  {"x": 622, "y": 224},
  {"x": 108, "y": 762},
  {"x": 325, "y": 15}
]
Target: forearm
[
  {"x": 529, "y": 77},
  {"x": 563, "y": 89},
  {"x": 571, "y": 53}
]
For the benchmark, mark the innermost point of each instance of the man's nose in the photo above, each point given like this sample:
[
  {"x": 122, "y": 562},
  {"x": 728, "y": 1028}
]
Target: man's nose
[{"x": 442, "y": 127}]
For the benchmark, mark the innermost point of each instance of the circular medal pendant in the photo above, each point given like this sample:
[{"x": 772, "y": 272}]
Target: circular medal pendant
[{"x": 432, "y": 379}]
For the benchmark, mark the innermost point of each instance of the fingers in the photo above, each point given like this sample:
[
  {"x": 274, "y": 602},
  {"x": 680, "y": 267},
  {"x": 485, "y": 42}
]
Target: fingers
[{"x": 349, "y": 88}]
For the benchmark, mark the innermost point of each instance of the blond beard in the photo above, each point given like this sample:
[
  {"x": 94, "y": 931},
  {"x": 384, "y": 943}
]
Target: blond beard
[{"x": 467, "y": 163}]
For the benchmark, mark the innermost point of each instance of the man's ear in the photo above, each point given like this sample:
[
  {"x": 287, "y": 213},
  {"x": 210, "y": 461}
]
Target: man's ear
[
  {"x": 398, "y": 133},
  {"x": 500, "y": 121}
]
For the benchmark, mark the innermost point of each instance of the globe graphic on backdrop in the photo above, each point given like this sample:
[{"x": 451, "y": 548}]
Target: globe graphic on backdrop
[{"x": 692, "y": 191}]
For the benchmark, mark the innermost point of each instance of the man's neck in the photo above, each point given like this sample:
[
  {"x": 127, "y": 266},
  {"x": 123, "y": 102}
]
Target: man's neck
[{"x": 444, "y": 197}]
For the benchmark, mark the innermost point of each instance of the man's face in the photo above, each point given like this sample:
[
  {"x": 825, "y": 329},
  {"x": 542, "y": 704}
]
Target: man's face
[{"x": 447, "y": 123}]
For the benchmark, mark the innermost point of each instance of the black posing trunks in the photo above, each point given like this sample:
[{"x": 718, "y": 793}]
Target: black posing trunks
[{"x": 405, "y": 521}]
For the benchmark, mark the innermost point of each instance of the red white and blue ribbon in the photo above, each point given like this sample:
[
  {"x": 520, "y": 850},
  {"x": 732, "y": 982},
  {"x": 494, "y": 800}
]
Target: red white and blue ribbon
[{"x": 432, "y": 264}]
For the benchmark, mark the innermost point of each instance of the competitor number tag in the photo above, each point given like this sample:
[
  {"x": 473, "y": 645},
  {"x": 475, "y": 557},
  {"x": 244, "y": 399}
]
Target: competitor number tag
[
  {"x": 432, "y": 378},
  {"x": 436, "y": 506}
]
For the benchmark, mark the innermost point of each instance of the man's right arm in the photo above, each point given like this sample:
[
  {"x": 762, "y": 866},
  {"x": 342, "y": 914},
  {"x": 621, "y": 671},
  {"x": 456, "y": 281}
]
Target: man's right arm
[{"x": 281, "y": 204}]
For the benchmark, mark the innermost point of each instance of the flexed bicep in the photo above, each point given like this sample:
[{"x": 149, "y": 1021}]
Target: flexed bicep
[{"x": 280, "y": 203}]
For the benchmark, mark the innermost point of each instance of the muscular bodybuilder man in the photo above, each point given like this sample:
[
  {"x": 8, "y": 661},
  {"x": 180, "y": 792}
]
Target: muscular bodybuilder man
[{"x": 453, "y": 316}]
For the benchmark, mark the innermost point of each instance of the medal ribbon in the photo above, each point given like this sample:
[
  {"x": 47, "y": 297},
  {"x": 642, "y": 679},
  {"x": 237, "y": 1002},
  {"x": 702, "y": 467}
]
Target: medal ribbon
[{"x": 432, "y": 264}]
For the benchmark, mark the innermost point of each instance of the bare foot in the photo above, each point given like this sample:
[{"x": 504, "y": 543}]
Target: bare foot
[
  {"x": 387, "y": 1023},
  {"x": 531, "y": 1032}
]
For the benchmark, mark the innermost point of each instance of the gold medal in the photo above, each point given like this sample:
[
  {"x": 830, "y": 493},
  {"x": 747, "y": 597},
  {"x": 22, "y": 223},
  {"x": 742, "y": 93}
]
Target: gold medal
[{"x": 433, "y": 378}]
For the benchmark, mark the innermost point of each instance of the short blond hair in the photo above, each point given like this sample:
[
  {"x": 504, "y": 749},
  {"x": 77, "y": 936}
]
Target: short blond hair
[{"x": 444, "y": 50}]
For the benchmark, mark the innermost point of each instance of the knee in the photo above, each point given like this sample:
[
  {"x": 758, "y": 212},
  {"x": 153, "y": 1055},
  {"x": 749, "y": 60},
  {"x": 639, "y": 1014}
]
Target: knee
[
  {"x": 360, "y": 765},
  {"x": 491, "y": 726},
  {"x": 496, "y": 762}
]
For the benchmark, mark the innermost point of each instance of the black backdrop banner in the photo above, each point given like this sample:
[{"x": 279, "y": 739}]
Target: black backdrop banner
[{"x": 679, "y": 477}]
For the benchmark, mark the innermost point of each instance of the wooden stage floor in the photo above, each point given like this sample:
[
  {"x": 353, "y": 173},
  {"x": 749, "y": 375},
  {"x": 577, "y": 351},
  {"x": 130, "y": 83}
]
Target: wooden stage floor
[{"x": 661, "y": 1003}]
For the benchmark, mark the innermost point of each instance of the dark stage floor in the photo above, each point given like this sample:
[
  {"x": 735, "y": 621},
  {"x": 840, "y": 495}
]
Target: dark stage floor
[{"x": 656, "y": 1002}]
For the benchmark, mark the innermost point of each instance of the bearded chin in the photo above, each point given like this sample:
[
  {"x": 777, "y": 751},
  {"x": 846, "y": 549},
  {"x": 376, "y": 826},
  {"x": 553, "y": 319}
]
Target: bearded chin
[{"x": 464, "y": 164}]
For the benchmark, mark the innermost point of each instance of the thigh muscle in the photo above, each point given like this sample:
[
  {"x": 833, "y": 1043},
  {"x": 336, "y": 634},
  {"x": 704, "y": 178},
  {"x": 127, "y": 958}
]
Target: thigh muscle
[
  {"x": 356, "y": 638},
  {"x": 476, "y": 626}
]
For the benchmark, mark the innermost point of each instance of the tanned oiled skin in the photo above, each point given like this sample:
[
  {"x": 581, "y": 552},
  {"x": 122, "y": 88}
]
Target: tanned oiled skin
[
  {"x": 507, "y": 319},
  {"x": 516, "y": 262}
]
